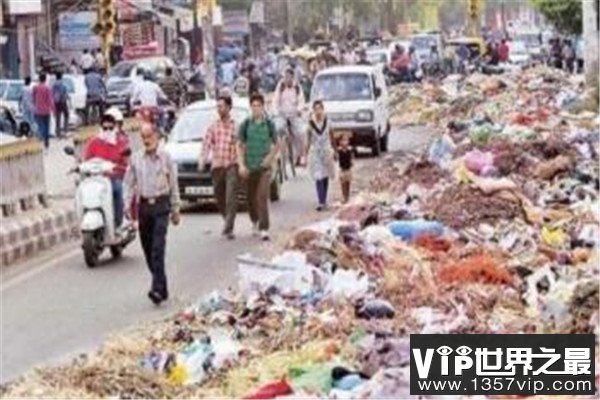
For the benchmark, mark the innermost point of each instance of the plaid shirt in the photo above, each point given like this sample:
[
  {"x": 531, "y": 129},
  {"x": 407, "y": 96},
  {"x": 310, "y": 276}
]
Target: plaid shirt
[{"x": 221, "y": 142}]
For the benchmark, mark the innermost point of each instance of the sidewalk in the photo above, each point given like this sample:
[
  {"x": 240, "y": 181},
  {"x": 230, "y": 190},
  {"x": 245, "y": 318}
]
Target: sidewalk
[{"x": 28, "y": 233}]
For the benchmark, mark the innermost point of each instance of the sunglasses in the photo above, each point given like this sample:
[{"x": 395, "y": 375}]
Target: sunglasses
[{"x": 108, "y": 128}]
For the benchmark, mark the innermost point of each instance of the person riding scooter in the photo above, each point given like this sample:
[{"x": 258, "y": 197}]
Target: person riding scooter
[{"x": 112, "y": 144}]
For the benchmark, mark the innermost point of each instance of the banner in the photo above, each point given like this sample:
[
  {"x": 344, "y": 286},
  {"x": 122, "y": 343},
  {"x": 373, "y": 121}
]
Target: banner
[
  {"x": 20, "y": 7},
  {"x": 137, "y": 34},
  {"x": 75, "y": 31}
]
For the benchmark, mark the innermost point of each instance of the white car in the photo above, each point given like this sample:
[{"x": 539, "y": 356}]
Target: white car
[
  {"x": 379, "y": 56},
  {"x": 10, "y": 94},
  {"x": 185, "y": 144},
  {"x": 356, "y": 99},
  {"x": 519, "y": 54}
]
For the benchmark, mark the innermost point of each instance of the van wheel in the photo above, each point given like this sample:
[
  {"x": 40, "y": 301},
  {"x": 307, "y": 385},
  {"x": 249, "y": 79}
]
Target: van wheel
[
  {"x": 376, "y": 146},
  {"x": 384, "y": 143},
  {"x": 275, "y": 190}
]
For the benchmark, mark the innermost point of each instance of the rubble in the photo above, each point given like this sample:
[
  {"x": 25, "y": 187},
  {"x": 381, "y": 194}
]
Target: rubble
[{"x": 493, "y": 230}]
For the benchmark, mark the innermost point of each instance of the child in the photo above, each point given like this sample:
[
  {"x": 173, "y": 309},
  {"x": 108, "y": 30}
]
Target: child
[{"x": 345, "y": 155}]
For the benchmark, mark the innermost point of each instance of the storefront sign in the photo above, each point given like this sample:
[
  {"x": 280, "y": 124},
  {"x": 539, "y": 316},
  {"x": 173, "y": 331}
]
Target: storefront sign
[
  {"x": 20, "y": 7},
  {"x": 75, "y": 31}
]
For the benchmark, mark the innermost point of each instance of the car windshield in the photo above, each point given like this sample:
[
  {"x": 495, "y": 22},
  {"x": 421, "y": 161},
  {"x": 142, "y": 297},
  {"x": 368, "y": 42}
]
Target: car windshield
[
  {"x": 343, "y": 87},
  {"x": 423, "y": 42},
  {"x": 14, "y": 91},
  {"x": 122, "y": 70},
  {"x": 193, "y": 124}
]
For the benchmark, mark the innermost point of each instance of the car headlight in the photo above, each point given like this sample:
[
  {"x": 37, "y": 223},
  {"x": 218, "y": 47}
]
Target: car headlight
[{"x": 364, "y": 115}]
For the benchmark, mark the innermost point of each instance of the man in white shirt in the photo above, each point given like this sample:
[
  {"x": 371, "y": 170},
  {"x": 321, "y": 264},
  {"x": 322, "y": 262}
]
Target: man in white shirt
[
  {"x": 87, "y": 61},
  {"x": 288, "y": 103},
  {"x": 147, "y": 93},
  {"x": 100, "y": 61}
]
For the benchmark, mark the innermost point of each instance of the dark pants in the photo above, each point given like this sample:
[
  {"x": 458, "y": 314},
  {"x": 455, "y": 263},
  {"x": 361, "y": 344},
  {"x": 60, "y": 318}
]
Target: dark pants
[
  {"x": 118, "y": 205},
  {"x": 43, "y": 123},
  {"x": 225, "y": 183},
  {"x": 93, "y": 105},
  {"x": 322, "y": 188},
  {"x": 61, "y": 112},
  {"x": 153, "y": 223},
  {"x": 259, "y": 184}
]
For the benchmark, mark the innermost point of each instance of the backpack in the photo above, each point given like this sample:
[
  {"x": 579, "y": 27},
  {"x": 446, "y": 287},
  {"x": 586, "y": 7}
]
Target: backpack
[
  {"x": 270, "y": 124},
  {"x": 59, "y": 92}
]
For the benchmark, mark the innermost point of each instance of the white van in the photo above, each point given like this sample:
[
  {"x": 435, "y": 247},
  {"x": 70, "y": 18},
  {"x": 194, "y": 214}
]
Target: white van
[{"x": 356, "y": 99}]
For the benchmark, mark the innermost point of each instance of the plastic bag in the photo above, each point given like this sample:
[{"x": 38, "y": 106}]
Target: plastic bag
[
  {"x": 555, "y": 238},
  {"x": 411, "y": 229},
  {"x": 441, "y": 150},
  {"x": 480, "y": 163},
  {"x": 375, "y": 309},
  {"x": 347, "y": 284},
  {"x": 312, "y": 379},
  {"x": 271, "y": 390}
]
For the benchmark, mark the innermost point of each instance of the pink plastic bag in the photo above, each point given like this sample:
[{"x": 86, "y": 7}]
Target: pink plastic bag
[{"x": 479, "y": 162}]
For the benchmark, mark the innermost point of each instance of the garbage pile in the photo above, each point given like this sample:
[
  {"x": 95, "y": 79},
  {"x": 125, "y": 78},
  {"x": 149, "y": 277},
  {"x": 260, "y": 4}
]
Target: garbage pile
[{"x": 495, "y": 229}]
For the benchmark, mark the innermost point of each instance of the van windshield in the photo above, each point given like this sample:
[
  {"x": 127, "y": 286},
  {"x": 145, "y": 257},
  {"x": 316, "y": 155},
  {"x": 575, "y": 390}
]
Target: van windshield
[{"x": 342, "y": 87}]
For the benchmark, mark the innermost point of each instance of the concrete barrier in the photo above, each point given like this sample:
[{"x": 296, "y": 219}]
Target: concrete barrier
[{"x": 22, "y": 183}]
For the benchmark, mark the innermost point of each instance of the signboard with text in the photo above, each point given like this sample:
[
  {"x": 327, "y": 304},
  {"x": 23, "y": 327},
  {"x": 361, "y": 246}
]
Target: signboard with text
[
  {"x": 20, "y": 7},
  {"x": 137, "y": 35},
  {"x": 75, "y": 31}
]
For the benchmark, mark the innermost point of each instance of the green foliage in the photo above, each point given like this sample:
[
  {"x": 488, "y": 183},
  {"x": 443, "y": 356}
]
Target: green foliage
[{"x": 565, "y": 15}]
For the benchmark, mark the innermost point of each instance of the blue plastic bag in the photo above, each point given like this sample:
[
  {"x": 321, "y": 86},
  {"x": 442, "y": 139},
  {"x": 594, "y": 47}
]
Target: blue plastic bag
[{"x": 410, "y": 230}]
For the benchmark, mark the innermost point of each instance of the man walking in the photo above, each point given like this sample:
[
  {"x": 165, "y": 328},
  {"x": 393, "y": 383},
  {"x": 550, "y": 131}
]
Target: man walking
[
  {"x": 219, "y": 151},
  {"x": 257, "y": 151},
  {"x": 288, "y": 103},
  {"x": 152, "y": 179},
  {"x": 96, "y": 94},
  {"x": 61, "y": 104},
  {"x": 171, "y": 87},
  {"x": 43, "y": 107}
]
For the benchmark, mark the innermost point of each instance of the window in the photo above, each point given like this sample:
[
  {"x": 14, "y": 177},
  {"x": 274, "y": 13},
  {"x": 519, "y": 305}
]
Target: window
[{"x": 343, "y": 87}]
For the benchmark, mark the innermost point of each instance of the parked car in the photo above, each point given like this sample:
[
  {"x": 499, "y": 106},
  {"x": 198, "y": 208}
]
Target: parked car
[
  {"x": 124, "y": 75},
  {"x": 519, "y": 54},
  {"x": 10, "y": 94},
  {"x": 379, "y": 56},
  {"x": 185, "y": 143},
  {"x": 356, "y": 99},
  {"x": 422, "y": 42}
]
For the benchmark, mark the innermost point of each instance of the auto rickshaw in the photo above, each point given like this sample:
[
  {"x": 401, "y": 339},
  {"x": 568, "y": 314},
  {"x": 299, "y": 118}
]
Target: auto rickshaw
[{"x": 474, "y": 44}]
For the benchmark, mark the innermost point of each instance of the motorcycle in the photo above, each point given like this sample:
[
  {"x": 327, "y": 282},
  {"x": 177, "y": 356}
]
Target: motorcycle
[{"x": 94, "y": 205}]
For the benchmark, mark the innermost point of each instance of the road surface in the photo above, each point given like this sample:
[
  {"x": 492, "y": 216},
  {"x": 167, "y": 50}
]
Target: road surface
[{"x": 53, "y": 307}]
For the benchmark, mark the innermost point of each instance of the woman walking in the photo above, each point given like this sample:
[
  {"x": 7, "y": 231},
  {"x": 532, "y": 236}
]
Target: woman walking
[{"x": 320, "y": 153}]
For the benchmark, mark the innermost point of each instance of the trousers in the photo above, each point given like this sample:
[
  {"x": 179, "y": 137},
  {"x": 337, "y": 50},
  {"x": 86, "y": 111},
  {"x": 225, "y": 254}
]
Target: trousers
[
  {"x": 322, "y": 189},
  {"x": 259, "y": 184},
  {"x": 225, "y": 183},
  {"x": 117, "y": 192},
  {"x": 153, "y": 224},
  {"x": 43, "y": 125},
  {"x": 61, "y": 114}
]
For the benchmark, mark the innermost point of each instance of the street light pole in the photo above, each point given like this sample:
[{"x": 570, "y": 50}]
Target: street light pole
[{"x": 193, "y": 52}]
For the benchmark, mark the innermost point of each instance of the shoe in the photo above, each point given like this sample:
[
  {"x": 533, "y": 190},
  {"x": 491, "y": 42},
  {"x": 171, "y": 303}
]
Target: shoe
[
  {"x": 264, "y": 236},
  {"x": 229, "y": 236},
  {"x": 319, "y": 208},
  {"x": 155, "y": 297},
  {"x": 255, "y": 229}
]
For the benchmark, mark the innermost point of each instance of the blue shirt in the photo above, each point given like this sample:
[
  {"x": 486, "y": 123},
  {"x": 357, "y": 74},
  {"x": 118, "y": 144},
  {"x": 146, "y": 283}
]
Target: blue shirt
[
  {"x": 60, "y": 94},
  {"x": 95, "y": 85}
]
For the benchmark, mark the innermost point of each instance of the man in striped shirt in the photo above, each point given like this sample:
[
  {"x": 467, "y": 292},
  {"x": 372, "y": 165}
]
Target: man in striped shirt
[{"x": 219, "y": 151}]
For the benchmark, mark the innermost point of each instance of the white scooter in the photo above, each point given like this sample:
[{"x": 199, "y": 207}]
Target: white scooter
[{"x": 94, "y": 203}]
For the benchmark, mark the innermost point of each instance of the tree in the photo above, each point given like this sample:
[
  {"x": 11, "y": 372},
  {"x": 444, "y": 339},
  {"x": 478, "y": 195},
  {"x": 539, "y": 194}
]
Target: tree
[{"x": 565, "y": 15}]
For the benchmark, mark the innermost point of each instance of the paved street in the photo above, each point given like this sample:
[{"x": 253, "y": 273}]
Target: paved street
[{"x": 54, "y": 307}]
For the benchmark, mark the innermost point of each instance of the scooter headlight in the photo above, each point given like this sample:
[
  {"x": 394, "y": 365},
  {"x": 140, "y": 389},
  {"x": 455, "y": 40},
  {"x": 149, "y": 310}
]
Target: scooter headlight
[{"x": 364, "y": 115}]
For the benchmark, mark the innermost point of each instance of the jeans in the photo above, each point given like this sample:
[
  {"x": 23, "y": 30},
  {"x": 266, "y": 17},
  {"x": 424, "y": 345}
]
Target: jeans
[
  {"x": 225, "y": 183},
  {"x": 322, "y": 188},
  {"x": 61, "y": 112},
  {"x": 259, "y": 185},
  {"x": 95, "y": 103},
  {"x": 43, "y": 124},
  {"x": 30, "y": 119},
  {"x": 118, "y": 204},
  {"x": 153, "y": 224}
]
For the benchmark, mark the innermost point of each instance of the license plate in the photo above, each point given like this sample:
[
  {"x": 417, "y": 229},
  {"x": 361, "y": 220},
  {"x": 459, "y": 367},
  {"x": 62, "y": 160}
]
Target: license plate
[{"x": 199, "y": 190}]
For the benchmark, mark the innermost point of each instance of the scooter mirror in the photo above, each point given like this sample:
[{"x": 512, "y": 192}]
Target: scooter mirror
[{"x": 69, "y": 150}]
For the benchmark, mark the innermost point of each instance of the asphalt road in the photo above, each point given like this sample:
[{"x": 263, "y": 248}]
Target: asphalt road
[{"x": 54, "y": 307}]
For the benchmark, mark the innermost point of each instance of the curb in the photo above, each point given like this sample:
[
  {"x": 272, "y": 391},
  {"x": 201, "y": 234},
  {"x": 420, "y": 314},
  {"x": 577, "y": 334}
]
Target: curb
[{"x": 26, "y": 235}]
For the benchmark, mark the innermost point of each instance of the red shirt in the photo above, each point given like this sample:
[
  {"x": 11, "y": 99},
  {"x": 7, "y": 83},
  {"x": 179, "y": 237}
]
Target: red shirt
[
  {"x": 115, "y": 153},
  {"x": 503, "y": 52},
  {"x": 402, "y": 62},
  {"x": 42, "y": 100},
  {"x": 221, "y": 141}
]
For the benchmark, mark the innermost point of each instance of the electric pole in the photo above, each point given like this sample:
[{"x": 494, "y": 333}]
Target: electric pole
[
  {"x": 194, "y": 51},
  {"x": 209, "y": 49}
]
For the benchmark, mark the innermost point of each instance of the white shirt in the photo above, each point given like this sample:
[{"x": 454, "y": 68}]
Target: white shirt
[
  {"x": 147, "y": 93},
  {"x": 87, "y": 61}
]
